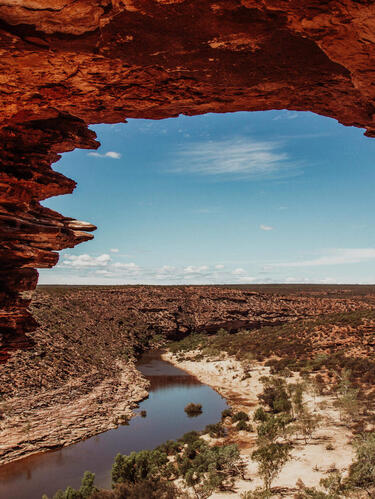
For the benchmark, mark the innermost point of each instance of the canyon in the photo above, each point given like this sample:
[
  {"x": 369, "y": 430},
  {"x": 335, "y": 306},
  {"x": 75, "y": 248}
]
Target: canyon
[
  {"x": 67, "y": 64},
  {"x": 80, "y": 377}
]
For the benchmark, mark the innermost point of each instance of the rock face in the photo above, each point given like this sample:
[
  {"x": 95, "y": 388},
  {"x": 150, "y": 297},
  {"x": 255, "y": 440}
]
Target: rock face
[{"x": 68, "y": 63}]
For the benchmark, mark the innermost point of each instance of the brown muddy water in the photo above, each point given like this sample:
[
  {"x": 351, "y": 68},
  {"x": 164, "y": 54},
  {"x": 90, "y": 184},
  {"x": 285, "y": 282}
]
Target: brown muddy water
[{"x": 170, "y": 391}]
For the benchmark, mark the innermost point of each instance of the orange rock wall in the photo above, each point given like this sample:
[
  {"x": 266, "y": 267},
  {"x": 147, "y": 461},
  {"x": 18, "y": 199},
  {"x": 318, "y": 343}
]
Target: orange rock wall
[{"x": 69, "y": 63}]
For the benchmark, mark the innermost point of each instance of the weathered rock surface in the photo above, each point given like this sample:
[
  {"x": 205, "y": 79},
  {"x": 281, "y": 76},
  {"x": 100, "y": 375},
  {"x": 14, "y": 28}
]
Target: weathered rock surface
[{"x": 68, "y": 63}]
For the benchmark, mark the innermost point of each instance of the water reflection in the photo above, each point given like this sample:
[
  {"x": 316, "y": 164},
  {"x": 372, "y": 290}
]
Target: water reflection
[{"x": 171, "y": 390}]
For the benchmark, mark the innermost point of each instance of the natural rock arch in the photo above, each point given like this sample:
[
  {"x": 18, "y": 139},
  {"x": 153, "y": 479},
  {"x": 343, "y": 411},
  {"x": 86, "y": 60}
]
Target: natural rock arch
[{"x": 70, "y": 63}]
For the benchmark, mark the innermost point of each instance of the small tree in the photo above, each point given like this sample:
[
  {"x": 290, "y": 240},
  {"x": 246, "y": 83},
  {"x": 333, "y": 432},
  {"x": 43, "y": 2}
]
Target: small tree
[
  {"x": 347, "y": 396},
  {"x": 307, "y": 423},
  {"x": 362, "y": 471},
  {"x": 271, "y": 459},
  {"x": 275, "y": 396}
]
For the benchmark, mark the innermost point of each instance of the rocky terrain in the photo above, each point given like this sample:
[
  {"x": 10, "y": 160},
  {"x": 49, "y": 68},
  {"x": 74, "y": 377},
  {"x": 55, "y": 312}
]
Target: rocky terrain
[
  {"x": 69, "y": 63},
  {"x": 79, "y": 377}
]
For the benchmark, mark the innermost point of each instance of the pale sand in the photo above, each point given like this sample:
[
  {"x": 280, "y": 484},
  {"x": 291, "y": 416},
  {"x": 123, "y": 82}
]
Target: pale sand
[{"x": 310, "y": 462}]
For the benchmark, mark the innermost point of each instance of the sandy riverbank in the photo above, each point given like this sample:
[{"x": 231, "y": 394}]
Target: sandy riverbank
[{"x": 310, "y": 462}]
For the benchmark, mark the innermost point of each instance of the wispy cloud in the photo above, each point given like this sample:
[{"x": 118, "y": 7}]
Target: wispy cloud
[
  {"x": 85, "y": 260},
  {"x": 336, "y": 256},
  {"x": 265, "y": 227},
  {"x": 286, "y": 115},
  {"x": 103, "y": 269},
  {"x": 109, "y": 154},
  {"x": 114, "y": 250},
  {"x": 235, "y": 158},
  {"x": 130, "y": 267}
]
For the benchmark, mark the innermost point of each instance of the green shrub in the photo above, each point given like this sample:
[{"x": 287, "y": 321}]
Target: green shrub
[
  {"x": 271, "y": 459},
  {"x": 216, "y": 430},
  {"x": 226, "y": 413},
  {"x": 242, "y": 426},
  {"x": 240, "y": 416},
  {"x": 260, "y": 415},
  {"x": 193, "y": 410},
  {"x": 85, "y": 491},
  {"x": 137, "y": 466},
  {"x": 189, "y": 437}
]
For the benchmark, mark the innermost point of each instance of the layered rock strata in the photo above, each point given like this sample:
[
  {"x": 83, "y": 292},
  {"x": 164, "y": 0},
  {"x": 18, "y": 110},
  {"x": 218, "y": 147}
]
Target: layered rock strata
[{"x": 69, "y": 63}]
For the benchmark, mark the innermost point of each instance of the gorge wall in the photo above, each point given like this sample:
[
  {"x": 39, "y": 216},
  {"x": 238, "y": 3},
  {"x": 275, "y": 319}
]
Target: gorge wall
[{"x": 66, "y": 64}]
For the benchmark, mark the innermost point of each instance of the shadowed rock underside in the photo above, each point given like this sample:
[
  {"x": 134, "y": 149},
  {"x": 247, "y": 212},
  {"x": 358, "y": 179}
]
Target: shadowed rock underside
[{"x": 66, "y": 64}]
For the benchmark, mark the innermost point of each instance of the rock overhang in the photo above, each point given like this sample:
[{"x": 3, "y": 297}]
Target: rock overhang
[{"x": 70, "y": 63}]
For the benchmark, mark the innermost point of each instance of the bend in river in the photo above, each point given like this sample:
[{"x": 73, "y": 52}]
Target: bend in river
[{"x": 171, "y": 389}]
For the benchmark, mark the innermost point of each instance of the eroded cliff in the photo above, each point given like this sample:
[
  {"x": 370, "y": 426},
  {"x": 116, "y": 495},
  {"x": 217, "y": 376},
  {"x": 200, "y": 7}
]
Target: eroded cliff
[{"x": 69, "y": 63}]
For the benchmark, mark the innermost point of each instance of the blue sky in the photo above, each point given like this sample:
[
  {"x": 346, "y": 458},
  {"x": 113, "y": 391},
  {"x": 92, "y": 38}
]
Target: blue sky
[{"x": 275, "y": 196}]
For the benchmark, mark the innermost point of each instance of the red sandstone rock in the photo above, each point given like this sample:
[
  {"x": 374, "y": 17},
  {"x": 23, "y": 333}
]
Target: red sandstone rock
[{"x": 68, "y": 63}]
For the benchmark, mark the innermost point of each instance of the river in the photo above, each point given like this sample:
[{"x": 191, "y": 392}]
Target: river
[{"x": 170, "y": 391}]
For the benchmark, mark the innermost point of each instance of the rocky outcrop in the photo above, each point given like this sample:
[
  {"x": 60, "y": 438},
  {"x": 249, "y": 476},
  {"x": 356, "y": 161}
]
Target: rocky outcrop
[{"x": 68, "y": 63}]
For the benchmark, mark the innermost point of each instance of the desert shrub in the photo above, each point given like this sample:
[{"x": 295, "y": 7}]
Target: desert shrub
[
  {"x": 271, "y": 459},
  {"x": 307, "y": 423},
  {"x": 85, "y": 491},
  {"x": 226, "y": 413},
  {"x": 258, "y": 493},
  {"x": 297, "y": 391},
  {"x": 216, "y": 430},
  {"x": 138, "y": 466},
  {"x": 242, "y": 426},
  {"x": 193, "y": 410},
  {"x": 334, "y": 488},
  {"x": 210, "y": 468},
  {"x": 362, "y": 471},
  {"x": 260, "y": 414},
  {"x": 272, "y": 428},
  {"x": 240, "y": 416},
  {"x": 170, "y": 447},
  {"x": 193, "y": 341},
  {"x": 347, "y": 396},
  {"x": 189, "y": 437},
  {"x": 275, "y": 396},
  {"x": 150, "y": 489}
]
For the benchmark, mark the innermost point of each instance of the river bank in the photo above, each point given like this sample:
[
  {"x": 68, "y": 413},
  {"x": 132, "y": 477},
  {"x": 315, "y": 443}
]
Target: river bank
[
  {"x": 57, "y": 418},
  {"x": 160, "y": 417},
  {"x": 330, "y": 449}
]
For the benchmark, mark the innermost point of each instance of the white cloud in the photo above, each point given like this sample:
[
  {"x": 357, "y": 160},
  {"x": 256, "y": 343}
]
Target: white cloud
[
  {"x": 240, "y": 158},
  {"x": 190, "y": 269},
  {"x": 239, "y": 271},
  {"x": 131, "y": 266},
  {"x": 114, "y": 250},
  {"x": 109, "y": 154},
  {"x": 219, "y": 267},
  {"x": 265, "y": 227},
  {"x": 337, "y": 256},
  {"x": 166, "y": 269},
  {"x": 85, "y": 260}
]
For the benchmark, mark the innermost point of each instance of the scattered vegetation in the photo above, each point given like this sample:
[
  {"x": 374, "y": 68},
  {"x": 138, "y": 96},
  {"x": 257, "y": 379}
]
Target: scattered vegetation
[
  {"x": 200, "y": 467},
  {"x": 193, "y": 410},
  {"x": 86, "y": 490}
]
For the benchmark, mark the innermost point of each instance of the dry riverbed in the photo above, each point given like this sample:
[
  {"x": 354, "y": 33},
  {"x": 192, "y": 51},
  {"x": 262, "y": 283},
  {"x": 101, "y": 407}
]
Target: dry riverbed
[{"x": 310, "y": 462}]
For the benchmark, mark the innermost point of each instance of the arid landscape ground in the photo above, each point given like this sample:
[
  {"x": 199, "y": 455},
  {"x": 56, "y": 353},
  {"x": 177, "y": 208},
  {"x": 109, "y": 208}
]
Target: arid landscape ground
[{"x": 79, "y": 377}]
